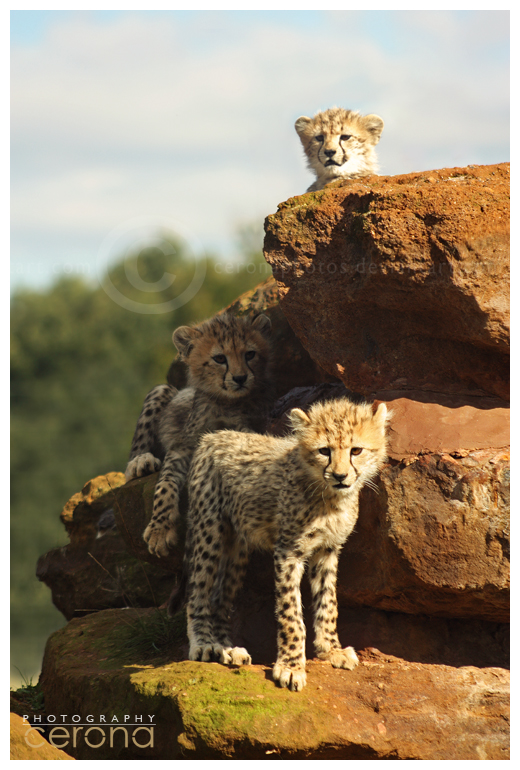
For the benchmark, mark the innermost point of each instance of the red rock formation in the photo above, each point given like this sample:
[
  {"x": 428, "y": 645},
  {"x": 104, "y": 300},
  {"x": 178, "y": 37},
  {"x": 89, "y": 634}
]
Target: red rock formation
[
  {"x": 400, "y": 282},
  {"x": 98, "y": 568},
  {"x": 387, "y": 708}
]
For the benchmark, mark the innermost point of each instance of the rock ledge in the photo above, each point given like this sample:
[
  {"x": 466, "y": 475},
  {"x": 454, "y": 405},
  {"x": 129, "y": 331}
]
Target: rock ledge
[{"x": 386, "y": 709}]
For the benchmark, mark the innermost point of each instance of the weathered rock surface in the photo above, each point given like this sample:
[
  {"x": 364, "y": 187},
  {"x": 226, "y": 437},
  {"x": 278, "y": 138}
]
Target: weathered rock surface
[
  {"x": 400, "y": 282},
  {"x": 81, "y": 514},
  {"x": 28, "y": 743},
  {"x": 96, "y": 569},
  {"x": 386, "y": 708},
  {"x": 291, "y": 364},
  {"x": 435, "y": 539},
  {"x": 423, "y": 423}
]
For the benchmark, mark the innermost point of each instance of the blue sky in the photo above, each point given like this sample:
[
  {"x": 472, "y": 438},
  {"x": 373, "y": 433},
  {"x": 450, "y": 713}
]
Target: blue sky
[
  {"x": 185, "y": 118},
  {"x": 29, "y": 27}
]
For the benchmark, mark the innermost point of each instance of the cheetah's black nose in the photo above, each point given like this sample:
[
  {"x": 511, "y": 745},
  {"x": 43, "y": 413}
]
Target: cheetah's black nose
[
  {"x": 330, "y": 153},
  {"x": 339, "y": 476},
  {"x": 240, "y": 379}
]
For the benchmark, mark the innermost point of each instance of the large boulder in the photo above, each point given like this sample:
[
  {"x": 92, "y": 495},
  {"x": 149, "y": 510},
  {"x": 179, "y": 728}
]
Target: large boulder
[
  {"x": 400, "y": 282},
  {"x": 97, "y": 569},
  {"x": 387, "y": 708}
]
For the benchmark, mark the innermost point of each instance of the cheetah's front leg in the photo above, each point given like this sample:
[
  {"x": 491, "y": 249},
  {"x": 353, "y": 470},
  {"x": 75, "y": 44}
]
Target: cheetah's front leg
[
  {"x": 161, "y": 532},
  {"x": 142, "y": 459},
  {"x": 323, "y": 568},
  {"x": 289, "y": 669}
]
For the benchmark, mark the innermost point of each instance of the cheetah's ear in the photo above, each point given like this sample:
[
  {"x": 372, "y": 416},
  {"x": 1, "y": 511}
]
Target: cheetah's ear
[
  {"x": 374, "y": 125},
  {"x": 262, "y": 324},
  {"x": 299, "y": 420},
  {"x": 183, "y": 339},
  {"x": 302, "y": 125},
  {"x": 381, "y": 415}
]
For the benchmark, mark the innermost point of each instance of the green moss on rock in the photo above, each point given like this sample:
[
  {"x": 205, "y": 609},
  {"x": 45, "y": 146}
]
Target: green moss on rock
[{"x": 114, "y": 664}]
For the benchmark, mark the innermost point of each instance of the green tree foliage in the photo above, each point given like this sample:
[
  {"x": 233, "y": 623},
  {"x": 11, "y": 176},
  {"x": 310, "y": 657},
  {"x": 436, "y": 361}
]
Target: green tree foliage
[{"x": 81, "y": 366}]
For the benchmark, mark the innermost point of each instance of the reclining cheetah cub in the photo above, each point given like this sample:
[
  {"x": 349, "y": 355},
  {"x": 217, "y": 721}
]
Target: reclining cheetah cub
[
  {"x": 229, "y": 386},
  {"x": 297, "y": 496},
  {"x": 339, "y": 144}
]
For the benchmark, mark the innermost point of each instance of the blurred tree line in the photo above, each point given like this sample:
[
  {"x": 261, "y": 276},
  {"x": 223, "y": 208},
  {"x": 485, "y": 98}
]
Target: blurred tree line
[{"x": 81, "y": 365}]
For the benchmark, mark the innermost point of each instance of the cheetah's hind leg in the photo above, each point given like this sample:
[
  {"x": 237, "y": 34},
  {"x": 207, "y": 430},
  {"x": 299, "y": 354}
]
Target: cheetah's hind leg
[
  {"x": 229, "y": 580},
  {"x": 218, "y": 578}
]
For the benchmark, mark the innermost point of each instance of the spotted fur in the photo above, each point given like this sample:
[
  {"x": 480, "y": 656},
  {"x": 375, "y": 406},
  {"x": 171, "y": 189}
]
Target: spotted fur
[
  {"x": 229, "y": 386},
  {"x": 339, "y": 144},
  {"x": 296, "y": 496}
]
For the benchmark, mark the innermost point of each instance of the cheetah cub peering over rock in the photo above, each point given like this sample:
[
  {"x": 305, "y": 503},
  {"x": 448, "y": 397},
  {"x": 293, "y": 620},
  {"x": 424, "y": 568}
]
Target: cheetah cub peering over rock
[
  {"x": 297, "y": 496},
  {"x": 229, "y": 386},
  {"x": 339, "y": 144}
]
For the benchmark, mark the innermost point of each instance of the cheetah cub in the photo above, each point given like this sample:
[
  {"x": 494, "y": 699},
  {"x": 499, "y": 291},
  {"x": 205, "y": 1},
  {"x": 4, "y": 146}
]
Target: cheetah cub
[
  {"x": 297, "y": 496},
  {"x": 229, "y": 386},
  {"x": 339, "y": 144}
]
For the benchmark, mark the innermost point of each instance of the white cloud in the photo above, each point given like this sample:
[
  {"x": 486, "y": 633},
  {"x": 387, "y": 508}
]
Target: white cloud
[{"x": 193, "y": 116}]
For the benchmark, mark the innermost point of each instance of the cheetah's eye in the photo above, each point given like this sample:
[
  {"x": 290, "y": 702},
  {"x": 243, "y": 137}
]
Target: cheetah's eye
[
  {"x": 345, "y": 137},
  {"x": 220, "y": 359},
  {"x": 356, "y": 450},
  {"x": 324, "y": 451},
  {"x": 319, "y": 138},
  {"x": 250, "y": 354}
]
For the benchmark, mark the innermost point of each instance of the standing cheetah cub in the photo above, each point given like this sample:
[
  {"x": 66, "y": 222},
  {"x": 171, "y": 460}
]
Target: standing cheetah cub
[
  {"x": 297, "y": 496},
  {"x": 339, "y": 144},
  {"x": 229, "y": 386}
]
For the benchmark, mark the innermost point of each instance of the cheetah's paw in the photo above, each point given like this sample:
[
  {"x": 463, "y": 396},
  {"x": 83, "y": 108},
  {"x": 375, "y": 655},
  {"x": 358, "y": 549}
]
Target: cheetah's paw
[
  {"x": 294, "y": 679},
  {"x": 142, "y": 465},
  {"x": 196, "y": 651},
  {"x": 345, "y": 658},
  {"x": 203, "y": 651},
  {"x": 216, "y": 653},
  {"x": 233, "y": 656},
  {"x": 160, "y": 538}
]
